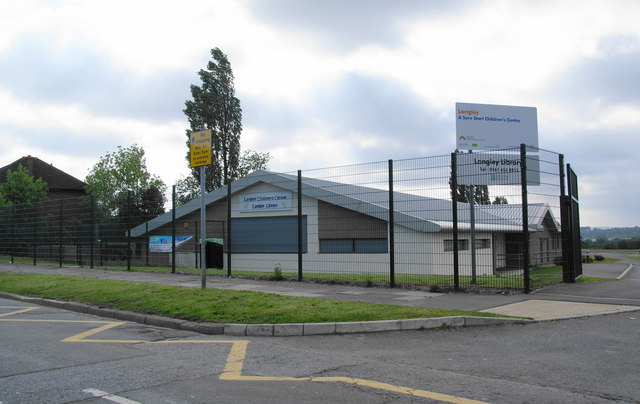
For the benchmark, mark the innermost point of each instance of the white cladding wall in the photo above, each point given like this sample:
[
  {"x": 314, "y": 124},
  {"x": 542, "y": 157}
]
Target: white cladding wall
[
  {"x": 415, "y": 253},
  {"x": 424, "y": 254}
]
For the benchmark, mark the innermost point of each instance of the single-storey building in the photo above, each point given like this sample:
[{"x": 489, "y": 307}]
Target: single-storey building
[
  {"x": 60, "y": 185},
  {"x": 345, "y": 228}
]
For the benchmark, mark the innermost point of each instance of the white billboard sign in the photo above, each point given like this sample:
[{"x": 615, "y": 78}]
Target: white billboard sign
[
  {"x": 492, "y": 127},
  {"x": 266, "y": 201},
  {"x": 495, "y": 169}
]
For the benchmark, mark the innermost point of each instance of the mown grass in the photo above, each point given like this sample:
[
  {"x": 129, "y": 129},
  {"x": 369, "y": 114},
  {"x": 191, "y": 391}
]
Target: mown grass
[
  {"x": 134, "y": 268},
  {"x": 539, "y": 276},
  {"x": 209, "y": 305}
]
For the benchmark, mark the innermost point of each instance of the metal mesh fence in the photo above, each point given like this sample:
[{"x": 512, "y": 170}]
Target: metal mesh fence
[{"x": 460, "y": 221}]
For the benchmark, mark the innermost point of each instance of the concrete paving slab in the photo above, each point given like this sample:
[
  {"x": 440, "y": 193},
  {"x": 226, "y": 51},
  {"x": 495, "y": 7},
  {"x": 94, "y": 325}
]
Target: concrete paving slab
[{"x": 555, "y": 309}]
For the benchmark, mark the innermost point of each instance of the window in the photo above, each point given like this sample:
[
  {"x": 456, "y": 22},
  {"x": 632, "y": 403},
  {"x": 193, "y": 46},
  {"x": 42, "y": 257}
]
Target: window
[
  {"x": 462, "y": 245},
  {"x": 277, "y": 234},
  {"x": 483, "y": 243},
  {"x": 336, "y": 246},
  {"x": 358, "y": 245}
]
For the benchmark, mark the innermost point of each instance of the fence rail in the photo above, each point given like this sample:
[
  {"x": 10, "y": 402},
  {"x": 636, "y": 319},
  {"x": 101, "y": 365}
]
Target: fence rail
[{"x": 461, "y": 221}]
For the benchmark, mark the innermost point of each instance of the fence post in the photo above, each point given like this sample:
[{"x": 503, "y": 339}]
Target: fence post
[
  {"x": 100, "y": 235},
  {"x": 197, "y": 245},
  {"x": 472, "y": 232},
  {"x": 173, "y": 229},
  {"x": 79, "y": 244},
  {"x": 229, "y": 228},
  {"x": 146, "y": 231},
  {"x": 60, "y": 235},
  {"x": 525, "y": 218},
  {"x": 128, "y": 230},
  {"x": 92, "y": 230},
  {"x": 454, "y": 214},
  {"x": 392, "y": 243},
  {"x": 13, "y": 233},
  {"x": 35, "y": 234},
  {"x": 565, "y": 205},
  {"x": 299, "y": 225}
]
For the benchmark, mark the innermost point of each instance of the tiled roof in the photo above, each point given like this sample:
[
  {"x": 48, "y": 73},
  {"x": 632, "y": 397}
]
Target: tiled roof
[
  {"x": 420, "y": 213},
  {"x": 55, "y": 178}
]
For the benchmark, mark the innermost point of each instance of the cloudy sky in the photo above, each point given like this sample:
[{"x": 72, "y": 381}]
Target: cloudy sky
[{"x": 326, "y": 82}]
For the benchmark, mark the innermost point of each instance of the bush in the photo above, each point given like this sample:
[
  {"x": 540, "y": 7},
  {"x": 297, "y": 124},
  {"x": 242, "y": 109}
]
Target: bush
[
  {"x": 277, "y": 273},
  {"x": 598, "y": 257}
]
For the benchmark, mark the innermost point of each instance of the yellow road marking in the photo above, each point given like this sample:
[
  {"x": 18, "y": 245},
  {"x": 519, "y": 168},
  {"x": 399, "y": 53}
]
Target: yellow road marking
[
  {"x": 235, "y": 360},
  {"x": 81, "y": 337},
  {"x": 20, "y": 310},
  {"x": 233, "y": 371}
]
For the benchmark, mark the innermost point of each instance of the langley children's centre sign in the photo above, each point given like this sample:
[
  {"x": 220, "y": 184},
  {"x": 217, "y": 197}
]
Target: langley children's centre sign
[
  {"x": 266, "y": 201},
  {"x": 492, "y": 127}
]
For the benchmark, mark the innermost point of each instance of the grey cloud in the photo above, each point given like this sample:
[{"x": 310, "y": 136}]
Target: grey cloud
[
  {"x": 357, "y": 106},
  {"x": 33, "y": 70},
  {"x": 375, "y": 105},
  {"x": 344, "y": 25},
  {"x": 598, "y": 151},
  {"x": 279, "y": 118},
  {"x": 63, "y": 142},
  {"x": 611, "y": 79}
]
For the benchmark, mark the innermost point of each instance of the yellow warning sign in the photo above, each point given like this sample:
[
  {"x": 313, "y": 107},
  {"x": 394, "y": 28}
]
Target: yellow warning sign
[{"x": 200, "y": 152}]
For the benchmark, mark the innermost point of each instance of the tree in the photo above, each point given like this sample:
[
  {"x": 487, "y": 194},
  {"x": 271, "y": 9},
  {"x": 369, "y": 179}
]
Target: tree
[
  {"x": 481, "y": 194},
  {"x": 214, "y": 106},
  {"x": 500, "y": 200},
  {"x": 122, "y": 171},
  {"x": 21, "y": 188},
  {"x": 251, "y": 161},
  {"x": 187, "y": 189},
  {"x": 461, "y": 193}
]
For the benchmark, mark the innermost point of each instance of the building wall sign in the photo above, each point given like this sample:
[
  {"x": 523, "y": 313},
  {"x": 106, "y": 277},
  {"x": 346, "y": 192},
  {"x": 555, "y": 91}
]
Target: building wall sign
[
  {"x": 492, "y": 127},
  {"x": 495, "y": 169},
  {"x": 266, "y": 201}
]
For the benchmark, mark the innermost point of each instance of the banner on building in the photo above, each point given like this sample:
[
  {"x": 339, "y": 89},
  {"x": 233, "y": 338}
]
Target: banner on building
[{"x": 163, "y": 243}]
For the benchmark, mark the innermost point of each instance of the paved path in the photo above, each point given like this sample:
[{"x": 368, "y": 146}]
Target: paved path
[{"x": 552, "y": 302}]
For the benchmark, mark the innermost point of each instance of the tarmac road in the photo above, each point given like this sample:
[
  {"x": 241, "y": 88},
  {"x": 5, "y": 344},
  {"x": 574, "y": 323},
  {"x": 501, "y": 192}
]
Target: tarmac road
[{"x": 50, "y": 355}]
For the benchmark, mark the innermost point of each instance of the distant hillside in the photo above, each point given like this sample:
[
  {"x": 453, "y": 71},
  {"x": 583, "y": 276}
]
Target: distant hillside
[{"x": 609, "y": 232}]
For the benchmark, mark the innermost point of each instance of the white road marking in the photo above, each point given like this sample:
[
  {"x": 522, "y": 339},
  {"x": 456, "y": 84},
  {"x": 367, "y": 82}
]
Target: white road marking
[
  {"x": 110, "y": 397},
  {"x": 626, "y": 272}
]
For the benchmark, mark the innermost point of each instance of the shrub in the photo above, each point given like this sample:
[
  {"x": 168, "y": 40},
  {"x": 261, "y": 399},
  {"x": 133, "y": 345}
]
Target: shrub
[{"x": 277, "y": 273}]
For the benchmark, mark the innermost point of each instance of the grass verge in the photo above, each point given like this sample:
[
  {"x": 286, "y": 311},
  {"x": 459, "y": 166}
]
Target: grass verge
[
  {"x": 539, "y": 276},
  {"x": 210, "y": 305}
]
